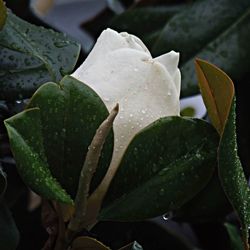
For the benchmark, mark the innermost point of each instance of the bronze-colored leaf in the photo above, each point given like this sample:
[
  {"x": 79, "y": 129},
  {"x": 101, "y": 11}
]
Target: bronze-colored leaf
[
  {"x": 3, "y": 14},
  {"x": 217, "y": 91}
]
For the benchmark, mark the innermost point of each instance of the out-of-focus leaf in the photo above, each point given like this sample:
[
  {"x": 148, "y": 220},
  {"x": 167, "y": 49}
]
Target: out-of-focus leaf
[
  {"x": 231, "y": 172},
  {"x": 87, "y": 243},
  {"x": 220, "y": 34},
  {"x": 3, "y": 14},
  {"x": 31, "y": 56},
  {"x": 165, "y": 165},
  {"x": 217, "y": 91},
  {"x": 235, "y": 239},
  {"x": 24, "y": 130},
  {"x": 63, "y": 118},
  {"x": 9, "y": 235},
  {"x": 3, "y": 182}
]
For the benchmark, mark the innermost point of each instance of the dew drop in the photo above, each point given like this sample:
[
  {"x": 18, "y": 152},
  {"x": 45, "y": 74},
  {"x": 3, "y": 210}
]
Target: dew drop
[
  {"x": 135, "y": 69},
  {"x": 169, "y": 93},
  {"x": 167, "y": 216}
]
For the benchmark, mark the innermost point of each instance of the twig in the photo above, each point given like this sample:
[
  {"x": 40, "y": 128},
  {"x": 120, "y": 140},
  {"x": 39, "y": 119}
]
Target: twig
[{"x": 88, "y": 170}]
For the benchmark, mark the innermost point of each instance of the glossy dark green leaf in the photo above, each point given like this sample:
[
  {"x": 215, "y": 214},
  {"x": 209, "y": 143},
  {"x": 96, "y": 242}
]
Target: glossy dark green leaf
[
  {"x": 25, "y": 135},
  {"x": 220, "y": 34},
  {"x": 234, "y": 235},
  {"x": 229, "y": 51},
  {"x": 70, "y": 113},
  {"x": 31, "y": 56},
  {"x": 3, "y": 14},
  {"x": 141, "y": 21},
  {"x": 231, "y": 173},
  {"x": 211, "y": 204},
  {"x": 3, "y": 182},
  {"x": 165, "y": 166},
  {"x": 9, "y": 235}
]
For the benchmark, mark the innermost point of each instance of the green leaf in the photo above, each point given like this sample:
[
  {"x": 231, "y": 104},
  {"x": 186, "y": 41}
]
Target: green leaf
[
  {"x": 210, "y": 204},
  {"x": 232, "y": 175},
  {"x": 229, "y": 51},
  {"x": 3, "y": 14},
  {"x": 217, "y": 91},
  {"x": 141, "y": 21},
  {"x": 70, "y": 113},
  {"x": 24, "y": 130},
  {"x": 31, "y": 56},
  {"x": 3, "y": 182},
  {"x": 235, "y": 239},
  {"x": 165, "y": 166},
  {"x": 9, "y": 235},
  {"x": 214, "y": 84},
  {"x": 220, "y": 34}
]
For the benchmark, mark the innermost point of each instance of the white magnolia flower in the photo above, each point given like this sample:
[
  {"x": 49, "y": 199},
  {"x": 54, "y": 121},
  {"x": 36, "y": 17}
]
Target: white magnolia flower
[{"x": 120, "y": 69}]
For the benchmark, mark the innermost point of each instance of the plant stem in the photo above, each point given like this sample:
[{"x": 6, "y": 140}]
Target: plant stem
[{"x": 88, "y": 170}]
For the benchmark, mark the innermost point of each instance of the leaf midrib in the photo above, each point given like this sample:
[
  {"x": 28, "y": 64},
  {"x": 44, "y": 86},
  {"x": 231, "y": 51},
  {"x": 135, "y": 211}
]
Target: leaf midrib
[{"x": 26, "y": 39}]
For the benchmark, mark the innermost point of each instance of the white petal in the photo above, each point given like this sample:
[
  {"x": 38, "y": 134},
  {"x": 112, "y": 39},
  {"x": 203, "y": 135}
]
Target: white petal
[
  {"x": 109, "y": 41},
  {"x": 170, "y": 61},
  {"x": 143, "y": 88},
  {"x": 120, "y": 69}
]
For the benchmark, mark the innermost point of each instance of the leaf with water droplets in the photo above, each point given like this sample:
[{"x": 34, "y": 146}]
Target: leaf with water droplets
[
  {"x": 133, "y": 20},
  {"x": 221, "y": 36},
  {"x": 31, "y": 56},
  {"x": 3, "y": 14},
  {"x": 215, "y": 81},
  {"x": 232, "y": 175},
  {"x": 25, "y": 135},
  {"x": 165, "y": 165},
  {"x": 70, "y": 114}
]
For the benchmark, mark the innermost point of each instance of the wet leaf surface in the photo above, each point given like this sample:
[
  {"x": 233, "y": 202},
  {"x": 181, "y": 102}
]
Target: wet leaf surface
[
  {"x": 51, "y": 137},
  {"x": 217, "y": 89},
  {"x": 32, "y": 55},
  {"x": 165, "y": 165}
]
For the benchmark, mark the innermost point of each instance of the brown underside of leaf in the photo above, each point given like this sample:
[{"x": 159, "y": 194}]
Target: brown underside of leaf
[{"x": 217, "y": 90}]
